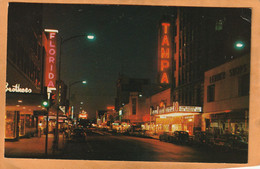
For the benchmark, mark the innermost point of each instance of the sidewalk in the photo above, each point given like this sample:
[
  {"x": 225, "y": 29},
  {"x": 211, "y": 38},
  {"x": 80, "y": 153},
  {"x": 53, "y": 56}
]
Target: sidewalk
[{"x": 33, "y": 147}]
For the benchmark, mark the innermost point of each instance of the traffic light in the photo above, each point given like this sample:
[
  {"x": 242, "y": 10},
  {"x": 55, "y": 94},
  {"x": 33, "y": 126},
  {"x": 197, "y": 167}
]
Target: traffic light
[{"x": 45, "y": 102}]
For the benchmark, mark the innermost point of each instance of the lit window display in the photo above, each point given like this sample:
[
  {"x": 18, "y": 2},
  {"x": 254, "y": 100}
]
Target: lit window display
[{"x": 10, "y": 128}]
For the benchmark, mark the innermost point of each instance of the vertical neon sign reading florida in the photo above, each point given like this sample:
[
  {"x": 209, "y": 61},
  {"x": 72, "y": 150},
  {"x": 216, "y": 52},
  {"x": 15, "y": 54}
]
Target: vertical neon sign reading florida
[{"x": 50, "y": 75}]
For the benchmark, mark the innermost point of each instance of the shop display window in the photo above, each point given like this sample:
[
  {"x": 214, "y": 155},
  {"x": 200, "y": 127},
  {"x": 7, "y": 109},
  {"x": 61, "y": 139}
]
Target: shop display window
[
  {"x": 10, "y": 129},
  {"x": 22, "y": 125}
]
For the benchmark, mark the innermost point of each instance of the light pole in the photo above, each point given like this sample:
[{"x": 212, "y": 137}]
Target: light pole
[
  {"x": 73, "y": 83},
  {"x": 62, "y": 41}
]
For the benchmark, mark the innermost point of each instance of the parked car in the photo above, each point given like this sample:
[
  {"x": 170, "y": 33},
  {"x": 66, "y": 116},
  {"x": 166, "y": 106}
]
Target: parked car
[
  {"x": 165, "y": 136},
  {"x": 231, "y": 142},
  {"x": 181, "y": 137},
  {"x": 78, "y": 134},
  {"x": 203, "y": 138}
]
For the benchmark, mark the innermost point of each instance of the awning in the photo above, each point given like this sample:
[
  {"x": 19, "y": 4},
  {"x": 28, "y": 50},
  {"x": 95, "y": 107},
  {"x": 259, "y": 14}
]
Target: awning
[{"x": 24, "y": 102}]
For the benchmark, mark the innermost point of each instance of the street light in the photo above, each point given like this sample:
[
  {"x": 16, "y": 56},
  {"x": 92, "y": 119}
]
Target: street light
[
  {"x": 62, "y": 41},
  {"x": 239, "y": 45}
]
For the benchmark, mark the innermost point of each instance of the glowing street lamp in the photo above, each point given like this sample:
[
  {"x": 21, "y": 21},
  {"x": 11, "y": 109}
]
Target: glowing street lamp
[
  {"x": 91, "y": 37},
  {"x": 239, "y": 45}
]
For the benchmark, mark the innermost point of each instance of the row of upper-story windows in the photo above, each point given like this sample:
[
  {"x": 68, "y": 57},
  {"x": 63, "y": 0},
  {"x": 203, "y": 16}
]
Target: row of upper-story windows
[{"x": 26, "y": 58}]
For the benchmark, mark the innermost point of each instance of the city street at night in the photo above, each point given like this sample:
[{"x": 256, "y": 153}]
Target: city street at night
[{"x": 127, "y": 83}]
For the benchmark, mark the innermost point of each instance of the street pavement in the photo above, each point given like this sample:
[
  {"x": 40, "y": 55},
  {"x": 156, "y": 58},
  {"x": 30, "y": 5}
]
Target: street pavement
[
  {"x": 33, "y": 147},
  {"x": 101, "y": 145},
  {"x": 106, "y": 146}
]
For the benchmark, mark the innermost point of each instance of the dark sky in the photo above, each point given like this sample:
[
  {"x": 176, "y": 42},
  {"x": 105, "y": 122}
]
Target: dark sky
[{"x": 126, "y": 42}]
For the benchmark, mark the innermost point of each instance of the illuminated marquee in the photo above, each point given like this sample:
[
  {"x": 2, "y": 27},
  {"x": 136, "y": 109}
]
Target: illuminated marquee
[
  {"x": 175, "y": 108},
  {"x": 50, "y": 60},
  {"x": 164, "y": 54}
]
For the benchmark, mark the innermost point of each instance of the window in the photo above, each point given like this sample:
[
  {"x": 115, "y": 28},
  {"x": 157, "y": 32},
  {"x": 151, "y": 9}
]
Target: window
[
  {"x": 134, "y": 106},
  {"x": 211, "y": 93},
  {"x": 243, "y": 86}
]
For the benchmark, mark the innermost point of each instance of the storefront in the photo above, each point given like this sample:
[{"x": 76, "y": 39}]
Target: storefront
[
  {"x": 226, "y": 98},
  {"x": 21, "y": 119},
  {"x": 176, "y": 118}
]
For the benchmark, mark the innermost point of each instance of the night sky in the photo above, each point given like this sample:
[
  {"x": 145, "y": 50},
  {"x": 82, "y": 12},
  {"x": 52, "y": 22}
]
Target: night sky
[{"x": 126, "y": 43}]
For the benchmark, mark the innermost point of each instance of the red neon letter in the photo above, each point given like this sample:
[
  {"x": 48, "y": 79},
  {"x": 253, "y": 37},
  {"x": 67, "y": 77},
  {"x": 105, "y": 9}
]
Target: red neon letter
[
  {"x": 165, "y": 40},
  {"x": 164, "y": 78},
  {"x": 51, "y": 84},
  {"x": 52, "y": 51},
  {"x": 165, "y": 54},
  {"x": 52, "y": 35},
  {"x": 165, "y": 26},
  {"x": 164, "y": 64},
  {"x": 51, "y": 60},
  {"x": 52, "y": 45}
]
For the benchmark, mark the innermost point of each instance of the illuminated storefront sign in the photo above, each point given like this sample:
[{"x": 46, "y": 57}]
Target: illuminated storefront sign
[
  {"x": 164, "y": 54},
  {"x": 50, "y": 60},
  {"x": 175, "y": 108},
  {"x": 17, "y": 89},
  {"x": 83, "y": 116}
]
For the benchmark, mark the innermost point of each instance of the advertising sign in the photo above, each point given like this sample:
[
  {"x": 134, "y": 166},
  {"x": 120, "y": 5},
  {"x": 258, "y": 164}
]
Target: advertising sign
[
  {"x": 50, "y": 60},
  {"x": 164, "y": 63}
]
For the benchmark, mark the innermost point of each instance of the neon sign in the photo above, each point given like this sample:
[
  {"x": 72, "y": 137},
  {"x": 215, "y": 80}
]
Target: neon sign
[
  {"x": 17, "y": 89},
  {"x": 164, "y": 54},
  {"x": 175, "y": 108},
  {"x": 50, "y": 60}
]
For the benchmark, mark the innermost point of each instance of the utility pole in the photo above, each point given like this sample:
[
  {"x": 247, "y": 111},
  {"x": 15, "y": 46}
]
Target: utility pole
[{"x": 47, "y": 131}]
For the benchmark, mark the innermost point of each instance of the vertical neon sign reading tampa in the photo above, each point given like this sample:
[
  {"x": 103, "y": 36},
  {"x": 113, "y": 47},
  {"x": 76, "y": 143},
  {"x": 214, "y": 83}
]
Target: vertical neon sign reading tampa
[
  {"x": 164, "y": 54},
  {"x": 50, "y": 62}
]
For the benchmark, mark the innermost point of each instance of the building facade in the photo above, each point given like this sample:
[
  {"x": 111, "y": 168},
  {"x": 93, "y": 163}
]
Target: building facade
[
  {"x": 24, "y": 71},
  {"x": 226, "y": 97}
]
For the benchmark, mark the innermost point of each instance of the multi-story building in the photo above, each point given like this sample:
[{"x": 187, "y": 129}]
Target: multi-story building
[
  {"x": 24, "y": 70},
  {"x": 125, "y": 85},
  {"x": 204, "y": 38},
  {"x": 200, "y": 39},
  {"x": 226, "y": 97}
]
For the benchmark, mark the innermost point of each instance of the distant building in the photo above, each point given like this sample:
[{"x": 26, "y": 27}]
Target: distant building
[
  {"x": 125, "y": 85},
  {"x": 101, "y": 116}
]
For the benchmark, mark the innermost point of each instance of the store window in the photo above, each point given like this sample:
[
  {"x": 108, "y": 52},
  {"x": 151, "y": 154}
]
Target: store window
[
  {"x": 22, "y": 125},
  {"x": 10, "y": 129},
  {"x": 211, "y": 93}
]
